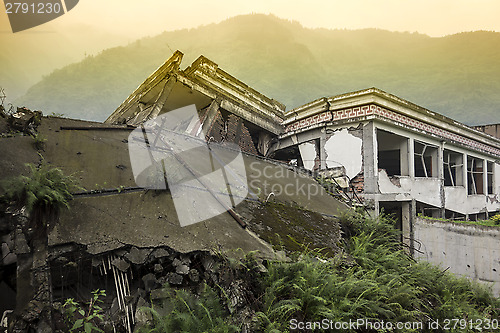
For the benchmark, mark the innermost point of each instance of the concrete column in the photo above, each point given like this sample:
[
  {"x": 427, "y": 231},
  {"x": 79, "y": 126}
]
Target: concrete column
[
  {"x": 485, "y": 177},
  {"x": 464, "y": 175},
  {"x": 370, "y": 163},
  {"x": 322, "y": 151},
  {"x": 411, "y": 158},
  {"x": 162, "y": 97},
  {"x": 212, "y": 111},
  {"x": 413, "y": 219},
  {"x": 405, "y": 223},
  {"x": 440, "y": 160}
]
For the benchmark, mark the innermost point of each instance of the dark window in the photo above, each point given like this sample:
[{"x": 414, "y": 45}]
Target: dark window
[
  {"x": 425, "y": 157},
  {"x": 452, "y": 168},
  {"x": 390, "y": 161},
  {"x": 392, "y": 153},
  {"x": 475, "y": 176}
]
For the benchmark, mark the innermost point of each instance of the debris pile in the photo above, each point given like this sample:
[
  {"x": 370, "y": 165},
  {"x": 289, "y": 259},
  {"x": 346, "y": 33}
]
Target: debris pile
[{"x": 135, "y": 278}]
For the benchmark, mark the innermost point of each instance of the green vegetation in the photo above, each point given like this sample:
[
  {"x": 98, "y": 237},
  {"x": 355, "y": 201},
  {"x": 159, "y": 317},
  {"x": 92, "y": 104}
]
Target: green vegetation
[
  {"x": 379, "y": 282},
  {"x": 80, "y": 320},
  {"x": 191, "y": 314},
  {"x": 454, "y": 75},
  {"x": 56, "y": 115},
  {"x": 45, "y": 190},
  {"x": 39, "y": 141},
  {"x": 494, "y": 221}
]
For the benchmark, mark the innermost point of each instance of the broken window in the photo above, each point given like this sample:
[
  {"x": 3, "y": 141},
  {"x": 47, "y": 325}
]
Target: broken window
[
  {"x": 475, "y": 172},
  {"x": 425, "y": 160},
  {"x": 489, "y": 177},
  {"x": 452, "y": 168},
  {"x": 392, "y": 153}
]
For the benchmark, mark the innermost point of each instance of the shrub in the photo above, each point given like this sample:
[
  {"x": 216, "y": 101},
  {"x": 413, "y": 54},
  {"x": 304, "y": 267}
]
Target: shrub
[
  {"x": 39, "y": 141},
  {"x": 496, "y": 219},
  {"x": 45, "y": 189}
]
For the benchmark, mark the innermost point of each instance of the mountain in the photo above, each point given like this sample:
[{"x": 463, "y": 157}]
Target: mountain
[
  {"x": 457, "y": 75},
  {"x": 27, "y": 56}
]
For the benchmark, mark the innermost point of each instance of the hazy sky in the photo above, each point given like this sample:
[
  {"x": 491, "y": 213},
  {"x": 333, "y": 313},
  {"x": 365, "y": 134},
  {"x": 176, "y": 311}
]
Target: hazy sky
[
  {"x": 150, "y": 17},
  {"x": 94, "y": 25}
]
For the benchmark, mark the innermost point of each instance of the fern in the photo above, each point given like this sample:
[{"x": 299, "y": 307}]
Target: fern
[{"x": 45, "y": 189}]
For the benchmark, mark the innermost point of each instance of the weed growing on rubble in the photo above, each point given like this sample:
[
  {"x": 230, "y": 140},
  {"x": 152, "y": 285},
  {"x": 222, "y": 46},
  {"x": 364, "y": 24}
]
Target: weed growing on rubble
[
  {"x": 496, "y": 219},
  {"x": 191, "y": 313},
  {"x": 80, "y": 320},
  {"x": 39, "y": 141}
]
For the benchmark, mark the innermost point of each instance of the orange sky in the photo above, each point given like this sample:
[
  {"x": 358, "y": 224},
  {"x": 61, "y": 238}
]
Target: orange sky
[{"x": 150, "y": 17}]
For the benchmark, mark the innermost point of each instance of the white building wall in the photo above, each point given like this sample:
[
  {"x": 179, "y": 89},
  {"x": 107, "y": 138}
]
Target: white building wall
[{"x": 428, "y": 190}]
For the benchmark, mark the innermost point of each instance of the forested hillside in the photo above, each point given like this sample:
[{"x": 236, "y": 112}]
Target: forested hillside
[{"x": 458, "y": 75}]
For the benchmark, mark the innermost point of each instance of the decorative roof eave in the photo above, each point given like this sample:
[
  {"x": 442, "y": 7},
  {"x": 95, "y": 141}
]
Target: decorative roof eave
[
  {"x": 374, "y": 111},
  {"x": 208, "y": 72},
  {"x": 385, "y": 100}
]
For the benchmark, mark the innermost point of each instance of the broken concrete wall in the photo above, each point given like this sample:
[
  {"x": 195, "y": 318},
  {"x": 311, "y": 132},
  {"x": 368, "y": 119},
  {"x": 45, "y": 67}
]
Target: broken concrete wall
[
  {"x": 309, "y": 155},
  {"x": 469, "y": 250},
  {"x": 344, "y": 149}
]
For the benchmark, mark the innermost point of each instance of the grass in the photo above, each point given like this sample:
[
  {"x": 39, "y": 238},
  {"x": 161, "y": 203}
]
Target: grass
[{"x": 494, "y": 221}]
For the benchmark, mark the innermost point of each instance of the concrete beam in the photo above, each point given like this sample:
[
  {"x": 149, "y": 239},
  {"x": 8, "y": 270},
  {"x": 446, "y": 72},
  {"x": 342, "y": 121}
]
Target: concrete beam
[
  {"x": 210, "y": 116},
  {"x": 162, "y": 98},
  {"x": 252, "y": 117}
]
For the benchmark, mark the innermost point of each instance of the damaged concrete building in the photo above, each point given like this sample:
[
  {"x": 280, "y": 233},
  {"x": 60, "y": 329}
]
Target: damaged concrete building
[
  {"x": 398, "y": 156},
  {"x": 385, "y": 152},
  {"x": 229, "y": 110},
  {"x": 126, "y": 239}
]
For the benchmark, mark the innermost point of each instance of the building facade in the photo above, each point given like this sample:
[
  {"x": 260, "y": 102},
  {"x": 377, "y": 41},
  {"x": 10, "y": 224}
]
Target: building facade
[{"x": 402, "y": 158}]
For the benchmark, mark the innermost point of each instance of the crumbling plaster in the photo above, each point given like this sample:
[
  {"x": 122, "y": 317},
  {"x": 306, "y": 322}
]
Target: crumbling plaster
[
  {"x": 345, "y": 149},
  {"x": 308, "y": 154},
  {"x": 426, "y": 190},
  {"x": 456, "y": 199}
]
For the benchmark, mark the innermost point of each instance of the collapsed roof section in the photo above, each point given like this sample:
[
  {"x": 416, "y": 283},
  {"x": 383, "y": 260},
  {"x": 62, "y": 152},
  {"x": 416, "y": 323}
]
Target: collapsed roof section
[{"x": 205, "y": 85}]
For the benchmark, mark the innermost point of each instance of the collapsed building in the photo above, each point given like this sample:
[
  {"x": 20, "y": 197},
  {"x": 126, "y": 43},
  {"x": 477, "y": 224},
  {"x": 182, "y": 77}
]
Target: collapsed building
[
  {"x": 378, "y": 150},
  {"x": 229, "y": 109}
]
